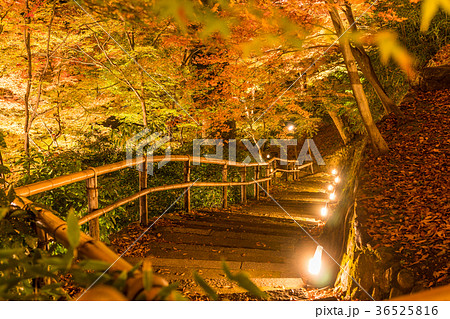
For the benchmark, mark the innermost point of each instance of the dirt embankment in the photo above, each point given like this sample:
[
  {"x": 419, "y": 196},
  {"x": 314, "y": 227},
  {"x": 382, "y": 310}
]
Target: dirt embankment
[{"x": 400, "y": 233}]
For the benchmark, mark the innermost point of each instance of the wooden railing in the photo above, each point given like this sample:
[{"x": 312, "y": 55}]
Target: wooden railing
[
  {"x": 49, "y": 225},
  {"x": 91, "y": 174}
]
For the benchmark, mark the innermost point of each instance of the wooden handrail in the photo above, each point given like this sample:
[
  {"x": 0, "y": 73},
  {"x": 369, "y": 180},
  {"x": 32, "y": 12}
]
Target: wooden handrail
[
  {"x": 89, "y": 248},
  {"x": 42, "y": 186},
  {"x": 90, "y": 176},
  {"x": 123, "y": 201}
]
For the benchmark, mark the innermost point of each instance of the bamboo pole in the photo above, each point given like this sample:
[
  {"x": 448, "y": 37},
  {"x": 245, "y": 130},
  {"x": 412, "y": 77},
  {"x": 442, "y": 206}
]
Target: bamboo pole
[
  {"x": 57, "y": 228},
  {"x": 225, "y": 188},
  {"x": 288, "y": 170},
  {"x": 42, "y": 239},
  {"x": 275, "y": 171},
  {"x": 243, "y": 187},
  {"x": 93, "y": 172},
  {"x": 92, "y": 197},
  {"x": 89, "y": 248},
  {"x": 39, "y": 187},
  {"x": 310, "y": 155},
  {"x": 135, "y": 196},
  {"x": 187, "y": 179},
  {"x": 143, "y": 200},
  {"x": 268, "y": 182},
  {"x": 256, "y": 186}
]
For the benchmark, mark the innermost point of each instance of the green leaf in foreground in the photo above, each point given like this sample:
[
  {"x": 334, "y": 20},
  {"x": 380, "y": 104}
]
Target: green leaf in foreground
[
  {"x": 244, "y": 281},
  {"x": 165, "y": 292},
  {"x": 73, "y": 229},
  {"x": 147, "y": 275},
  {"x": 204, "y": 285}
]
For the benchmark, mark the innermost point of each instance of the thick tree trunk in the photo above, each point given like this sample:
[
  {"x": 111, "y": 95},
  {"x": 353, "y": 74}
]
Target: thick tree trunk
[
  {"x": 340, "y": 126},
  {"x": 379, "y": 144},
  {"x": 27, "y": 40},
  {"x": 365, "y": 64}
]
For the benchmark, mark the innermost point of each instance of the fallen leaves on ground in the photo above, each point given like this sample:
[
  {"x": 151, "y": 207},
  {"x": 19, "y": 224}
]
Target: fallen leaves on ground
[
  {"x": 127, "y": 237},
  {"x": 406, "y": 192}
]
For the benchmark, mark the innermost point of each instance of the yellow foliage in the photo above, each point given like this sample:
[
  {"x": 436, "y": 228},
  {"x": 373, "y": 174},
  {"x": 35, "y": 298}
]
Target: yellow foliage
[
  {"x": 429, "y": 10},
  {"x": 390, "y": 48}
]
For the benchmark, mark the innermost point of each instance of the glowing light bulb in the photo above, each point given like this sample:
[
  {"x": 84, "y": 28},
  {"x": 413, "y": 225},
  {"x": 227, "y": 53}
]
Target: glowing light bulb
[
  {"x": 268, "y": 155},
  {"x": 334, "y": 171},
  {"x": 324, "y": 211},
  {"x": 315, "y": 263},
  {"x": 332, "y": 196},
  {"x": 291, "y": 127},
  {"x": 330, "y": 187},
  {"x": 337, "y": 179}
]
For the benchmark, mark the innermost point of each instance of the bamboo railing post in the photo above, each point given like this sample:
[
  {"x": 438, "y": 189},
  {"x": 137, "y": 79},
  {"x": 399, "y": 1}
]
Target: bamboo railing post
[
  {"x": 187, "y": 179},
  {"x": 92, "y": 197},
  {"x": 42, "y": 237},
  {"x": 274, "y": 171},
  {"x": 243, "y": 187},
  {"x": 225, "y": 188},
  {"x": 268, "y": 181},
  {"x": 310, "y": 155},
  {"x": 256, "y": 184},
  {"x": 286, "y": 172},
  {"x": 143, "y": 202}
]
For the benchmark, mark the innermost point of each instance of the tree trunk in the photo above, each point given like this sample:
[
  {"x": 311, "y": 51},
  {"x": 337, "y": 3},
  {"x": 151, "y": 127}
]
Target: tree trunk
[
  {"x": 27, "y": 40},
  {"x": 2, "y": 176},
  {"x": 365, "y": 64},
  {"x": 144, "y": 110},
  {"x": 339, "y": 125},
  {"x": 379, "y": 144}
]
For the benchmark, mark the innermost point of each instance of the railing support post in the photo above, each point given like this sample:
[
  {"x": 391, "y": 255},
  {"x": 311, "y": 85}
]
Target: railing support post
[
  {"x": 256, "y": 184},
  {"x": 310, "y": 155},
  {"x": 42, "y": 238},
  {"x": 92, "y": 197},
  {"x": 143, "y": 202},
  {"x": 274, "y": 171},
  {"x": 244, "y": 187},
  {"x": 187, "y": 179},
  {"x": 287, "y": 173},
  {"x": 225, "y": 188},
  {"x": 268, "y": 181}
]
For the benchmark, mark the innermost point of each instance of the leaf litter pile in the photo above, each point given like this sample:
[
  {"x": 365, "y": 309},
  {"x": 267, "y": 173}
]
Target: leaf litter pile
[{"x": 405, "y": 193}]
